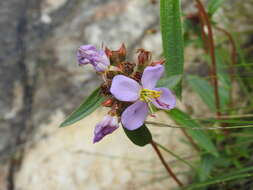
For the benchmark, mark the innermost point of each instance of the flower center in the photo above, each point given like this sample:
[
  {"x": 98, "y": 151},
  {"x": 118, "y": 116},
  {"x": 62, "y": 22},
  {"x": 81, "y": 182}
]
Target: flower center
[{"x": 147, "y": 95}]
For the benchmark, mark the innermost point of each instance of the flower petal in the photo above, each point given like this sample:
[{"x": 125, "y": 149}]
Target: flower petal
[
  {"x": 151, "y": 75},
  {"x": 134, "y": 116},
  {"x": 87, "y": 47},
  {"x": 105, "y": 127},
  {"x": 88, "y": 54},
  {"x": 125, "y": 89},
  {"x": 166, "y": 101}
]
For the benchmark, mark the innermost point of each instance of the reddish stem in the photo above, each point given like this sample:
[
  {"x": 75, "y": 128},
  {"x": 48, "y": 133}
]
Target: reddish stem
[
  {"x": 203, "y": 33},
  {"x": 190, "y": 140},
  {"x": 171, "y": 173},
  {"x": 233, "y": 59},
  {"x": 211, "y": 48}
]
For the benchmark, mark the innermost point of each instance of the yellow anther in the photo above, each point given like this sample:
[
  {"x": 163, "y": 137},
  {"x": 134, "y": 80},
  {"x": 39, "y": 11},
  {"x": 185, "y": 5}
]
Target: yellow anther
[{"x": 147, "y": 95}]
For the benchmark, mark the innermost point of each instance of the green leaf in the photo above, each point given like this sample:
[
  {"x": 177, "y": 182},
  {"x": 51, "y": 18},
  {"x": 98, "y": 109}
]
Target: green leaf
[
  {"x": 204, "y": 89},
  {"x": 140, "y": 136},
  {"x": 239, "y": 174},
  {"x": 200, "y": 137},
  {"x": 87, "y": 107},
  {"x": 172, "y": 39},
  {"x": 177, "y": 157},
  {"x": 207, "y": 163},
  {"x": 213, "y": 6},
  {"x": 223, "y": 60},
  {"x": 170, "y": 82}
]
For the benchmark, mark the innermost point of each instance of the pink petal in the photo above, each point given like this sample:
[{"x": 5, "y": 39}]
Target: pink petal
[
  {"x": 134, "y": 116},
  {"x": 151, "y": 75},
  {"x": 166, "y": 101},
  {"x": 125, "y": 89}
]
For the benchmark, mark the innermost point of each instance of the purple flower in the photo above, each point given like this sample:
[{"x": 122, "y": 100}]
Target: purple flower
[
  {"x": 105, "y": 127},
  {"x": 89, "y": 54},
  {"x": 128, "y": 90}
]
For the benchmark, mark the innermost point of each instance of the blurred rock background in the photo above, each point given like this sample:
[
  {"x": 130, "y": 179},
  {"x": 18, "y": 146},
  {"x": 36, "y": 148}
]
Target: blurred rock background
[{"x": 41, "y": 83}]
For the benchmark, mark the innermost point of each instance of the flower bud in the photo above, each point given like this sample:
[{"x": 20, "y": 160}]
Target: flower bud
[
  {"x": 116, "y": 56},
  {"x": 105, "y": 127},
  {"x": 122, "y": 52},
  {"x": 108, "y": 103},
  {"x": 88, "y": 54},
  {"x": 144, "y": 57},
  {"x": 108, "y": 52}
]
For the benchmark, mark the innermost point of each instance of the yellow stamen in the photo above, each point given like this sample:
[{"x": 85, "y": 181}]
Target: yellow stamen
[{"x": 147, "y": 95}]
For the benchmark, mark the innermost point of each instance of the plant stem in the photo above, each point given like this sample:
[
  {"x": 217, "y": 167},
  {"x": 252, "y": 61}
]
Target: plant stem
[
  {"x": 211, "y": 48},
  {"x": 233, "y": 47},
  {"x": 171, "y": 173},
  {"x": 190, "y": 139},
  {"x": 176, "y": 156},
  {"x": 233, "y": 61},
  {"x": 198, "y": 128},
  {"x": 203, "y": 33}
]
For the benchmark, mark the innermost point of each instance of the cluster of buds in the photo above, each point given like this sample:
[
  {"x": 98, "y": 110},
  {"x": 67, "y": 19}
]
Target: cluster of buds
[{"x": 130, "y": 87}]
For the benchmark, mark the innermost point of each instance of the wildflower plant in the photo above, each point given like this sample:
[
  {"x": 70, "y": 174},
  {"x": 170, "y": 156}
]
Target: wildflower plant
[
  {"x": 133, "y": 91},
  {"x": 129, "y": 88}
]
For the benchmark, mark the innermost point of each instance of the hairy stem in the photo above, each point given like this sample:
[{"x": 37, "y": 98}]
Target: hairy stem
[{"x": 171, "y": 173}]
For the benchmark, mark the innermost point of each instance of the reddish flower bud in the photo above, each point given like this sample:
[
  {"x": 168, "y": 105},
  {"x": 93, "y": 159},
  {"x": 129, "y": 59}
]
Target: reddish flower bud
[
  {"x": 116, "y": 56},
  {"x": 144, "y": 57},
  {"x": 108, "y": 103},
  {"x": 108, "y": 52},
  {"x": 122, "y": 51}
]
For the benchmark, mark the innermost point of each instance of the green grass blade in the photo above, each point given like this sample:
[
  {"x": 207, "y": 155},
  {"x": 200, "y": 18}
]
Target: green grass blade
[
  {"x": 200, "y": 137},
  {"x": 213, "y": 6},
  {"x": 207, "y": 163},
  {"x": 222, "y": 179},
  {"x": 204, "y": 89},
  {"x": 172, "y": 39},
  {"x": 177, "y": 157},
  {"x": 87, "y": 107}
]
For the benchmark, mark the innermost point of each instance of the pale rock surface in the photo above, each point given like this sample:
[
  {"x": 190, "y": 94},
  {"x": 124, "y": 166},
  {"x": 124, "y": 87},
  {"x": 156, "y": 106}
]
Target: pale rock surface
[
  {"x": 42, "y": 83},
  {"x": 65, "y": 158}
]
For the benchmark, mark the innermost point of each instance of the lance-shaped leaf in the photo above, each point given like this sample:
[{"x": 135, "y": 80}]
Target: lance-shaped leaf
[
  {"x": 140, "y": 136},
  {"x": 170, "y": 82},
  {"x": 232, "y": 175},
  {"x": 204, "y": 89},
  {"x": 213, "y": 6},
  {"x": 200, "y": 137},
  {"x": 206, "y": 166},
  {"x": 172, "y": 38},
  {"x": 87, "y": 107}
]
